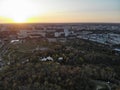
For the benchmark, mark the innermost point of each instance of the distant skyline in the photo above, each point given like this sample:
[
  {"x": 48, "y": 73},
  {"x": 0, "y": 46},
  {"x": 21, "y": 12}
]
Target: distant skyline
[{"x": 51, "y": 11}]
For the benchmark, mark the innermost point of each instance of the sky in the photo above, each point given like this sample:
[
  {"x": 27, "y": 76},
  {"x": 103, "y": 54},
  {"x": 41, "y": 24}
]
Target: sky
[{"x": 33, "y": 11}]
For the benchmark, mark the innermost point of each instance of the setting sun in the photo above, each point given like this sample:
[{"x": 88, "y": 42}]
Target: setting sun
[
  {"x": 19, "y": 19},
  {"x": 19, "y": 10},
  {"x": 36, "y": 11}
]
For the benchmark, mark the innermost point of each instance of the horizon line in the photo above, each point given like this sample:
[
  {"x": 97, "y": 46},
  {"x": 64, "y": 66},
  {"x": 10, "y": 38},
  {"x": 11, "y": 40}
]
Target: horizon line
[{"x": 64, "y": 23}]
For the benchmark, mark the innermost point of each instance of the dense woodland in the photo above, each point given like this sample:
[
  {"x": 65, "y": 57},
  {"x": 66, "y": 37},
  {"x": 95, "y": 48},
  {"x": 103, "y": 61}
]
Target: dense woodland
[{"x": 85, "y": 66}]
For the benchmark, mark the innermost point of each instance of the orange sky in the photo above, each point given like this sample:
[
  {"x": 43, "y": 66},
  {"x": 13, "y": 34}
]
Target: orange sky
[{"x": 33, "y": 11}]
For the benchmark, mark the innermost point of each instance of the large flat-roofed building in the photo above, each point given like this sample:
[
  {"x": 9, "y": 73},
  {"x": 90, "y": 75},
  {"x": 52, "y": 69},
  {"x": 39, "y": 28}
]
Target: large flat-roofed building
[
  {"x": 31, "y": 33},
  {"x": 43, "y": 33}
]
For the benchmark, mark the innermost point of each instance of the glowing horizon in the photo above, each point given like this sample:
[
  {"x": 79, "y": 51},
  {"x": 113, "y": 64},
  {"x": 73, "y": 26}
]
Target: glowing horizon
[{"x": 36, "y": 11}]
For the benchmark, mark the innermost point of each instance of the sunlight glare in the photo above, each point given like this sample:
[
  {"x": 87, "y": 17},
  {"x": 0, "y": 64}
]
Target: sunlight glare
[{"x": 20, "y": 10}]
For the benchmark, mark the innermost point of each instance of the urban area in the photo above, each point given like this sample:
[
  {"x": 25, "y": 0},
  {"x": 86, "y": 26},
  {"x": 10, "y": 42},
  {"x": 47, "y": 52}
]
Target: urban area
[{"x": 60, "y": 56}]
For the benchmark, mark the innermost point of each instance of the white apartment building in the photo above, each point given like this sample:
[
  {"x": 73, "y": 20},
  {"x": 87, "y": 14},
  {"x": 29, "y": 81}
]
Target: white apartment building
[{"x": 64, "y": 31}]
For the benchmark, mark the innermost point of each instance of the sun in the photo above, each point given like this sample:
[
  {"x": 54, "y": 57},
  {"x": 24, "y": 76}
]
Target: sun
[
  {"x": 19, "y": 20},
  {"x": 19, "y": 10}
]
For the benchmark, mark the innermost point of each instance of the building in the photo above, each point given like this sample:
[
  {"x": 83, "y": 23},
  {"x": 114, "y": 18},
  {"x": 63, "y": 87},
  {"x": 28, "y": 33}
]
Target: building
[
  {"x": 62, "y": 32},
  {"x": 31, "y": 33}
]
